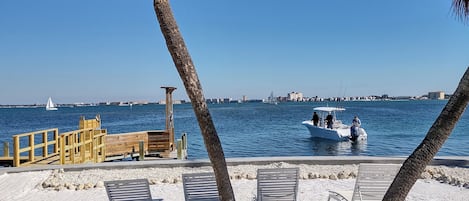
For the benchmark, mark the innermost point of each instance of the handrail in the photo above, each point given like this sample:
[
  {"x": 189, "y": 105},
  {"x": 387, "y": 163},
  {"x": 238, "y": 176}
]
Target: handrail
[
  {"x": 84, "y": 145},
  {"x": 17, "y": 150},
  {"x": 79, "y": 146}
]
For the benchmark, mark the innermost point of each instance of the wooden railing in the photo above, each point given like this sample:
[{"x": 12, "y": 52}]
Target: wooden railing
[
  {"x": 90, "y": 123},
  {"x": 84, "y": 145},
  {"x": 80, "y": 146},
  {"x": 32, "y": 146}
]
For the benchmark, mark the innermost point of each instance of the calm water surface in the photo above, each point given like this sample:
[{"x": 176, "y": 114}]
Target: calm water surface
[{"x": 394, "y": 128}]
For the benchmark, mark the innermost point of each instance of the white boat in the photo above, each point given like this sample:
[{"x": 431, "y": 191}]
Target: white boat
[
  {"x": 125, "y": 104},
  {"x": 50, "y": 105},
  {"x": 338, "y": 132}
]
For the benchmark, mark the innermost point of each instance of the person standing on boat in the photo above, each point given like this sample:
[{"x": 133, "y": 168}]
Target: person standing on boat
[
  {"x": 315, "y": 119},
  {"x": 356, "y": 123},
  {"x": 329, "y": 120}
]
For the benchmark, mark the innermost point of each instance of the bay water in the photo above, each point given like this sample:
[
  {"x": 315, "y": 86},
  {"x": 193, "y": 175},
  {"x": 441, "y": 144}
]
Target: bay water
[{"x": 395, "y": 128}]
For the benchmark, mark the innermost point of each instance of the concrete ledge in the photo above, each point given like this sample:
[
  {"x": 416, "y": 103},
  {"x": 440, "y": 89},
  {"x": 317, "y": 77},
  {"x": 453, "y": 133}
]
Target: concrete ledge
[{"x": 459, "y": 161}]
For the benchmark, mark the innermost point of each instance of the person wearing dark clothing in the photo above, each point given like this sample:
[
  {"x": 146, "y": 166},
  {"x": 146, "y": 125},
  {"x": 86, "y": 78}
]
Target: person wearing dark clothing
[
  {"x": 356, "y": 123},
  {"x": 329, "y": 120},
  {"x": 315, "y": 119}
]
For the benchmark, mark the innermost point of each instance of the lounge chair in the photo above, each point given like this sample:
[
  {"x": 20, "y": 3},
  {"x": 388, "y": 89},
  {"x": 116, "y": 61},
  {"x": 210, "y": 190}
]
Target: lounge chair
[
  {"x": 372, "y": 182},
  {"x": 200, "y": 186},
  {"x": 131, "y": 190},
  {"x": 277, "y": 184}
]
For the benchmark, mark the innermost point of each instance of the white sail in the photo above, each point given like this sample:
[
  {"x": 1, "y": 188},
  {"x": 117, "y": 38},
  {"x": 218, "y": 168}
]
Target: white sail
[{"x": 50, "y": 105}]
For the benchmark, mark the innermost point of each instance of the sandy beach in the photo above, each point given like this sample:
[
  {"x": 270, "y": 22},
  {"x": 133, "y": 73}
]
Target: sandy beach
[{"x": 436, "y": 183}]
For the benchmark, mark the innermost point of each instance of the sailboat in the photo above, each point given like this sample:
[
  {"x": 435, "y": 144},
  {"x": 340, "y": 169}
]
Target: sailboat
[
  {"x": 50, "y": 105},
  {"x": 272, "y": 99}
]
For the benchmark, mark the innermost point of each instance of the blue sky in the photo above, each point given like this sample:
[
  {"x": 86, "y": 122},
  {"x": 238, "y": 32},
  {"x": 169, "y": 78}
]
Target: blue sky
[{"x": 90, "y": 51}]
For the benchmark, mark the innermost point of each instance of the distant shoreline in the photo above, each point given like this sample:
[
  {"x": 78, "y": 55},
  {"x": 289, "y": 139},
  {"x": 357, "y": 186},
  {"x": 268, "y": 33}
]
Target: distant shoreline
[{"x": 69, "y": 105}]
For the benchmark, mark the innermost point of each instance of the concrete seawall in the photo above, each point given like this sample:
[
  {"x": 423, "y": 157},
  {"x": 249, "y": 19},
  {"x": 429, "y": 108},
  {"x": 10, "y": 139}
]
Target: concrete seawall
[{"x": 458, "y": 161}]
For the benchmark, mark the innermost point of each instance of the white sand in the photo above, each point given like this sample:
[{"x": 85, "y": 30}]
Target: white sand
[{"x": 437, "y": 183}]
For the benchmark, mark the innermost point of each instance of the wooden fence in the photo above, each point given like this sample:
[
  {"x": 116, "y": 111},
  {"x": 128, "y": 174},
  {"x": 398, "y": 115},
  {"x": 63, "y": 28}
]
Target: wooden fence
[{"x": 124, "y": 144}]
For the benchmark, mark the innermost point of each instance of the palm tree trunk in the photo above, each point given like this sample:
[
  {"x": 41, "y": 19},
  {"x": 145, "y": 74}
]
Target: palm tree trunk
[
  {"x": 186, "y": 69},
  {"x": 436, "y": 136}
]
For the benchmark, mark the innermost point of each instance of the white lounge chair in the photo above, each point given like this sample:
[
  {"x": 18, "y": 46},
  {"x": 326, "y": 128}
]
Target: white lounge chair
[
  {"x": 277, "y": 184},
  {"x": 372, "y": 182},
  {"x": 200, "y": 187},
  {"x": 131, "y": 190}
]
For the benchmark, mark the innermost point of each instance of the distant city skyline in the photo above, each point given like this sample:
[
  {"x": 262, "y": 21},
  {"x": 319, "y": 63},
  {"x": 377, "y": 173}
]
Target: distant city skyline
[
  {"x": 95, "y": 51},
  {"x": 292, "y": 96}
]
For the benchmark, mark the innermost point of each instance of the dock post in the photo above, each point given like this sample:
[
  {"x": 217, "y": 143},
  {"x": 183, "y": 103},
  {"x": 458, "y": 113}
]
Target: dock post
[
  {"x": 71, "y": 142},
  {"x": 82, "y": 145},
  {"x": 184, "y": 145},
  {"x": 169, "y": 115},
  {"x": 45, "y": 151},
  {"x": 141, "y": 151},
  {"x": 31, "y": 148},
  {"x": 179, "y": 149},
  {"x": 184, "y": 141},
  {"x": 62, "y": 149},
  {"x": 6, "y": 149},
  {"x": 16, "y": 151},
  {"x": 56, "y": 139},
  {"x": 94, "y": 152}
]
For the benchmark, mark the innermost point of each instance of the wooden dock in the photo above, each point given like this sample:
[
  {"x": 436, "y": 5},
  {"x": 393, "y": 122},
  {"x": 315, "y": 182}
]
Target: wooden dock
[{"x": 91, "y": 144}]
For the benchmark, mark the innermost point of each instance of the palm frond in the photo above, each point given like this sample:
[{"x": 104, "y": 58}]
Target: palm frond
[{"x": 461, "y": 9}]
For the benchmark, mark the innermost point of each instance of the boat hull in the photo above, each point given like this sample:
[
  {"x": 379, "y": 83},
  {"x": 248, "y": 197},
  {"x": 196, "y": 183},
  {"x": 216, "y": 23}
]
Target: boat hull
[{"x": 341, "y": 133}]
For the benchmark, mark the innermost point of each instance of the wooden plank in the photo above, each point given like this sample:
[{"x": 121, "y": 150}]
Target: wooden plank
[
  {"x": 159, "y": 141},
  {"x": 3, "y": 158},
  {"x": 125, "y": 143},
  {"x": 118, "y": 144},
  {"x": 32, "y": 133},
  {"x": 53, "y": 159}
]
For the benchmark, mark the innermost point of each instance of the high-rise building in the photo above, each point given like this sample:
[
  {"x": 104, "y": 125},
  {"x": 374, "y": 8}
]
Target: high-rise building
[
  {"x": 295, "y": 96},
  {"x": 437, "y": 95},
  {"x": 245, "y": 98}
]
